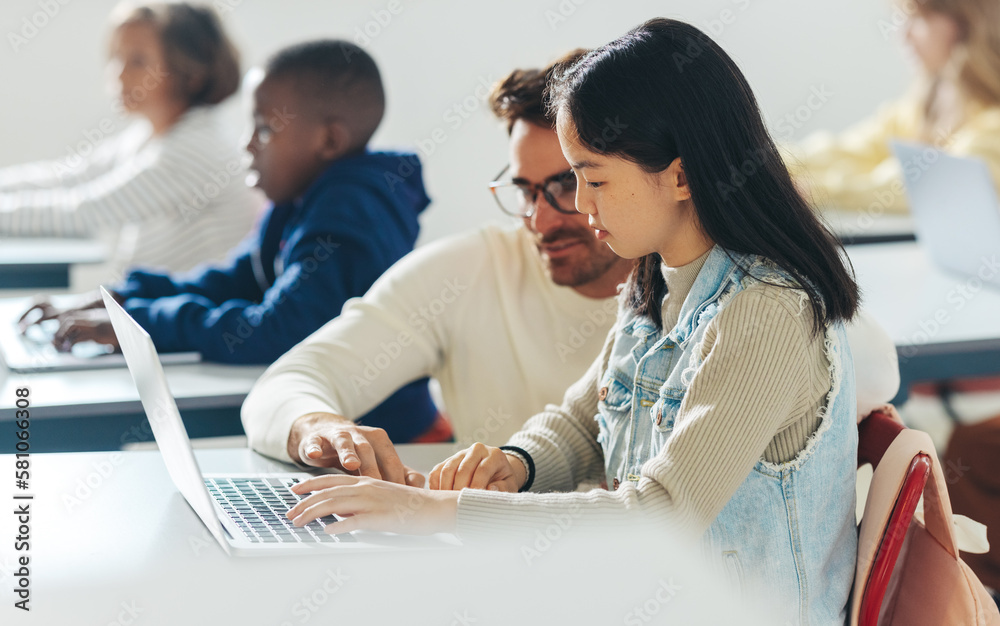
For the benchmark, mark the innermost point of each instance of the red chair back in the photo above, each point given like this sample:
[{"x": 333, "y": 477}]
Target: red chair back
[
  {"x": 875, "y": 433},
  {"x": 909, "y": 572}
]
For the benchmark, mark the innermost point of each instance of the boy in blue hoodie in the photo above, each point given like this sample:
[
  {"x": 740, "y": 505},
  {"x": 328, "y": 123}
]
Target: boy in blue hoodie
[{"x": 340, "y": 216}]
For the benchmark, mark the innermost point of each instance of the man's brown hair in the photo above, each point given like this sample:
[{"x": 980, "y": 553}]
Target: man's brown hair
[{"x": 521, "y": 94}]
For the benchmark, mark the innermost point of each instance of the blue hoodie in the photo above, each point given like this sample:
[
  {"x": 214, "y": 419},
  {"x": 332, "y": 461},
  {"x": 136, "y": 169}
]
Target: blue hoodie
[{"x": 294, "y": 274}]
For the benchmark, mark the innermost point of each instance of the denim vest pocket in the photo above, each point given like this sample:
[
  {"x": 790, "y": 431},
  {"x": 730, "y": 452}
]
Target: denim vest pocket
[
  {"x": 664, "y": 410},
  {"x": 614, "y": 399},
  {"x": 614, "y": 406}
]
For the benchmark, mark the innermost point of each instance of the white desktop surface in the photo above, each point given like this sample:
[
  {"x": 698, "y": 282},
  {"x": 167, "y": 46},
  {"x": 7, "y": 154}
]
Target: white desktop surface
[
  {"x": 134, "y": 545},
  {"x": 50, "y": 251},
  {"x": 909, "y": 296},
  {"x": 133, "y": 539},
  {"x": 86, "y": 393},
  {"x": 859, "y": 224}
]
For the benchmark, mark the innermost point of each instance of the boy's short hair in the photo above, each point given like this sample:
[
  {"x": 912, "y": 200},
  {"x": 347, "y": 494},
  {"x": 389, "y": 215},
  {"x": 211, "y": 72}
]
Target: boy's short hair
[
  {"x": 521, "y": 94},
  {"x": 196, "y": 50},
  {"x": 336, "y": 76}
]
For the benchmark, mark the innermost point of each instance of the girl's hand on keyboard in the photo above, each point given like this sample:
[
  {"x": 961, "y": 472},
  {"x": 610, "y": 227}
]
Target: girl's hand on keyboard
[{"x": 370, "y": 504}]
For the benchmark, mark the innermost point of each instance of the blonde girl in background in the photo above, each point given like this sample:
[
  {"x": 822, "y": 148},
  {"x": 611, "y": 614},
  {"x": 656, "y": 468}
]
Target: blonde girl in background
[{"x": 954, "y": 105}]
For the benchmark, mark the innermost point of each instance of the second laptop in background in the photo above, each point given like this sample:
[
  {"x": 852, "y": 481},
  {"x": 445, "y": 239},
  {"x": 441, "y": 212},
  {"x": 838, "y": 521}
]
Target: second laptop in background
[{"x": 955, "y": 209}]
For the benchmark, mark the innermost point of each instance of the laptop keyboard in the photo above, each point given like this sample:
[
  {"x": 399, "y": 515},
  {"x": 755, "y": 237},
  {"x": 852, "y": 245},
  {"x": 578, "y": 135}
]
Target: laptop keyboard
[
  {"x": 37, "y": 342},
  {"x": 37, "y": 339},
  {"x": 258, "y": 507}
]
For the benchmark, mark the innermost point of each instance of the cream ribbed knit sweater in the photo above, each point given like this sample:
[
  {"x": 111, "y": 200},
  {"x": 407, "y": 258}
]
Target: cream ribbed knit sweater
[{"x": 757, "y": 395}]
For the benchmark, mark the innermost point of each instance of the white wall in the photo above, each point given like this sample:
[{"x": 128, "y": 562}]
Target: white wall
[{"x": 434, "y": 54}]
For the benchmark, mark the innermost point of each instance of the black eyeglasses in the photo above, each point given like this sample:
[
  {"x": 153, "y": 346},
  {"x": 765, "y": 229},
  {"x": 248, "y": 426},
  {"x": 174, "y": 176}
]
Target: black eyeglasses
[{"x": 519, "y": 198}]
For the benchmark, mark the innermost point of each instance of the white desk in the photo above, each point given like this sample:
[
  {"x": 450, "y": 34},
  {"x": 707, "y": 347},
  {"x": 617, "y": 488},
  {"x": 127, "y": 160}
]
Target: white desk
[
  {"x": 856, "y": 227},
  {"x": 102, "y": 407},
  {"x": 133, "y": 552},
  {"x": 87, "y": 393},
  {"x": 942, "y": 324},
  {"x": 41, "y": 263},
  {"x": 99, "y": 409}
]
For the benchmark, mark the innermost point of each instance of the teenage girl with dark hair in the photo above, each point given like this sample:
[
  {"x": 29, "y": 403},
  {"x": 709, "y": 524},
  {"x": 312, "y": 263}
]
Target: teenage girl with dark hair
[{"x": 725, "y": 395}]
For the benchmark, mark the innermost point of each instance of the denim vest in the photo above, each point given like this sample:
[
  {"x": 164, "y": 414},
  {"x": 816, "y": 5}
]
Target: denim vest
[{"x": 789, "y": 530}]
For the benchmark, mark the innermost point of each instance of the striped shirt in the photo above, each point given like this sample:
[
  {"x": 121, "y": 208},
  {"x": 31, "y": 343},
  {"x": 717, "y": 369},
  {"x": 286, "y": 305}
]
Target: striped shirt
[{"x": 171, "y": 201}]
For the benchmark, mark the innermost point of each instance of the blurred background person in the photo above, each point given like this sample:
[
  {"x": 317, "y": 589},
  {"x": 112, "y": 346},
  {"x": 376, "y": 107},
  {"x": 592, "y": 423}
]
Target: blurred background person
[
  {"x": 954, "y": 105},
  {"x": 169, "y": 191}
]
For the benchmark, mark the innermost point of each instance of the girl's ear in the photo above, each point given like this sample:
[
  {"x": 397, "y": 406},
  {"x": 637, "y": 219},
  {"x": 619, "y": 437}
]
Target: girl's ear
[
  {"x": 336, "y": 141},
  {"x": 679, "y": 181}
]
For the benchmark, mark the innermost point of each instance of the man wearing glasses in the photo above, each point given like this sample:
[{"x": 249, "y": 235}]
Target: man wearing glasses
[{"x": 505, "y": 319}]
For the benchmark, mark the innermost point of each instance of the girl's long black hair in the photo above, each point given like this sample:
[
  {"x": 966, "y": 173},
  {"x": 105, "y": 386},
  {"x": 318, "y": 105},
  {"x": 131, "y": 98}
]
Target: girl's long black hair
[{"x": 666, "y": 90}]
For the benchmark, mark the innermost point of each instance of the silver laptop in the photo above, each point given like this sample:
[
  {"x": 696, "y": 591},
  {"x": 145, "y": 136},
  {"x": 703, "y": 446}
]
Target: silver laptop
[
  {"x": 244, "y": 512},
  {"x": 32, "y": 350},
  {"x": 955, "y": 209}
]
